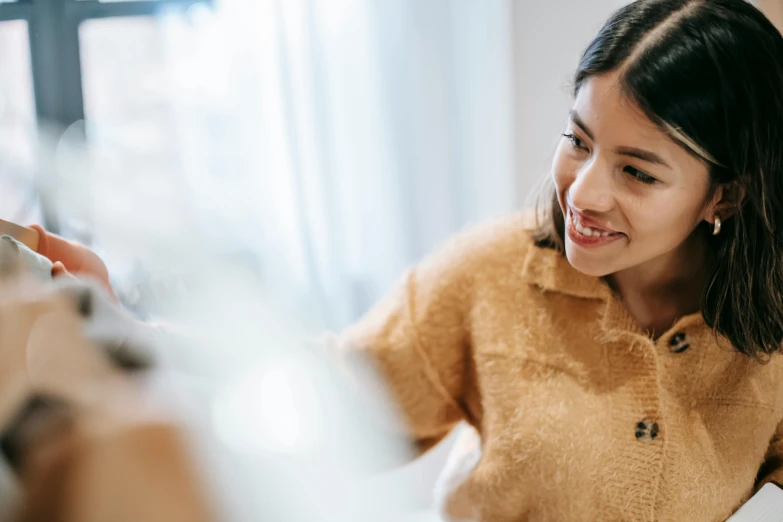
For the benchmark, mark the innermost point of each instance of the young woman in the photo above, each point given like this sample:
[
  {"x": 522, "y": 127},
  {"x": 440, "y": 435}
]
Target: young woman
[{"x": 617, "y": 357}]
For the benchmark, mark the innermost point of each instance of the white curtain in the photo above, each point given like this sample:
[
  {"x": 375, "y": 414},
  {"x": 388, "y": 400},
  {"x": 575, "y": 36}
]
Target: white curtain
[{"x": 385, "y": 127}]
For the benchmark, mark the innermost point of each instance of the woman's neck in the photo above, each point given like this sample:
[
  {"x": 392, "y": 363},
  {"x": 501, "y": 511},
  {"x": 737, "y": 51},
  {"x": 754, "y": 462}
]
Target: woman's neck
[{"x": 660, "y": 291}]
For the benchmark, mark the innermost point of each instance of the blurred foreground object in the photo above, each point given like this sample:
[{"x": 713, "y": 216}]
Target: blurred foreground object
[
  {"x": 74, "y": 257},
  {"x": 137, "y": 472},
  {"x": 26, "y": 236},
  {"x": 87, "y": 440}
]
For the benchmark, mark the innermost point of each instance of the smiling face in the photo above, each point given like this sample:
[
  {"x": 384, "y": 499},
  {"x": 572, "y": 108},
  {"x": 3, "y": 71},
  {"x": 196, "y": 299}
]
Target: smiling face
[{"x": 629, "y": 193}]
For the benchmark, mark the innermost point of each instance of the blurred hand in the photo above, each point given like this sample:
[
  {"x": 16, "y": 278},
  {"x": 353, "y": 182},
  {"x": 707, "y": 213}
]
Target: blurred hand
[{"x": 71, "y": 257}]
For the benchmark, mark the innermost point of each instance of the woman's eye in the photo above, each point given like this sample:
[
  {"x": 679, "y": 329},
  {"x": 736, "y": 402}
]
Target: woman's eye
[
  {"x": 640, "y": 176},
  {"x": 575, "y": 142}
]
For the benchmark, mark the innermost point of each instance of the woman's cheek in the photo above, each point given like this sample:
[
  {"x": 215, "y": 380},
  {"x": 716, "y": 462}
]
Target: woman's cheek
[{"x": 564, "y": 169}]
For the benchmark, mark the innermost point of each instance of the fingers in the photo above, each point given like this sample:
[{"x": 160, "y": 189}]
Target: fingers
[
  {"x": 74, "y": 257},
  {"x": 59, "y": 270}
]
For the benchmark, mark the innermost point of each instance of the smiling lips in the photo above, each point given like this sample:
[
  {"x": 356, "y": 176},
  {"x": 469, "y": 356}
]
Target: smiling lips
[
  {"x": 585, "y": 233},
  {"x": 588, "y": 230}
]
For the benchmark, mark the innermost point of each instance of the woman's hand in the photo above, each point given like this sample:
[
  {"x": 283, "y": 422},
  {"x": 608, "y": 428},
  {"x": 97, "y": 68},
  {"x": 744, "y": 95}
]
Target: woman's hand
[{"x": 71, "y": 257}]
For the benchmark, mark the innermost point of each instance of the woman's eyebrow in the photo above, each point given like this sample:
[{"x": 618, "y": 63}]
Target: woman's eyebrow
[
  {"x": 644, "y": 155},
  {"x": 578, "y": 120}
]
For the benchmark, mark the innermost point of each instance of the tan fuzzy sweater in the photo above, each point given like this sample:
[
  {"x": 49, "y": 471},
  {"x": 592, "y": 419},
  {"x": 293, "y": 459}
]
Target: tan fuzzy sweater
[{"x": 580, "y": 416}]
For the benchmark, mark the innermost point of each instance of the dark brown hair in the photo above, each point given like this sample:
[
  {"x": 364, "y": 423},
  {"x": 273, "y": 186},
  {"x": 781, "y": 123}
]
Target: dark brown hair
[{"x": 710, "y": 74}]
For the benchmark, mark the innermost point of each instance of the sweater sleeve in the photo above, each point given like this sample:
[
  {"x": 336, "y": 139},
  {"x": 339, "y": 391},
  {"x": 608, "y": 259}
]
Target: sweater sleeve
[
  {"x": 416, "y": 339},
  {"x": 772, "y": 468}
]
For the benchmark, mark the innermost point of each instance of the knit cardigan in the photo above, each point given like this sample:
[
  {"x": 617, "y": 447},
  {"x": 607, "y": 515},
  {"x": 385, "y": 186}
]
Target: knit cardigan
[{"x": 579, "y": 414}]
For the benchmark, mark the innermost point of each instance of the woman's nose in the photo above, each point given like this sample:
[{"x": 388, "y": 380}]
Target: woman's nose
[{"x": 593, "y": 188}]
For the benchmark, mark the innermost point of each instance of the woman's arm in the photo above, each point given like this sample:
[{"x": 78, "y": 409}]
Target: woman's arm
[{"x": 416, "y": 339}]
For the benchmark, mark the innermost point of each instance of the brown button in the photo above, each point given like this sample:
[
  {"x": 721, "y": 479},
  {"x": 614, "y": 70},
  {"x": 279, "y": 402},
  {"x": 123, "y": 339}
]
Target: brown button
[
  {"x": 679, "y": 343},
  {"x": 647, "y": 431}
]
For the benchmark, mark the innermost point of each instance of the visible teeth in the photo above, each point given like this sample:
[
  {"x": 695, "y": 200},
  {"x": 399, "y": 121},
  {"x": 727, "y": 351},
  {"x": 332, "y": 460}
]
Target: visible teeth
[
  {"x": 583, "y": 230},
  {"x": 589, "y": 232}
]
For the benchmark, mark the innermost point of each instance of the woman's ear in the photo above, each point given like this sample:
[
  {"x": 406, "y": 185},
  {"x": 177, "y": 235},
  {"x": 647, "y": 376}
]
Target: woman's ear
[{"x": 726, "y": 201}]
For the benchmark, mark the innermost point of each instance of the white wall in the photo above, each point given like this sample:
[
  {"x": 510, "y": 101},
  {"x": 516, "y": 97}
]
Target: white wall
[{"x": 549, "y": 39}]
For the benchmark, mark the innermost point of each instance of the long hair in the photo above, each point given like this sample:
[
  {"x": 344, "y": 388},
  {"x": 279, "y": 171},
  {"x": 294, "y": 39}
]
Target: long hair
[{"x": 709, "y": 73}]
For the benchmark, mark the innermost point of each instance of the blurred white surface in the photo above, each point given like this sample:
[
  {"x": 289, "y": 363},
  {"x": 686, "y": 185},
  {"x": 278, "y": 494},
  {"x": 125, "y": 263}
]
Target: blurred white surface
[{"x": 764, "y": 506}]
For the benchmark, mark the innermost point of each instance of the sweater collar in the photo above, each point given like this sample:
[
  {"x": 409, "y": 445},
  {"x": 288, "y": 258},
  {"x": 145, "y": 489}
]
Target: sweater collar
[{"x": 550, "y": 270}]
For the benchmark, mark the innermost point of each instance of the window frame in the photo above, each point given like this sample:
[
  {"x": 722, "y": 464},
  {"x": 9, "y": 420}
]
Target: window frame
[{"x": 55, "y": 56}]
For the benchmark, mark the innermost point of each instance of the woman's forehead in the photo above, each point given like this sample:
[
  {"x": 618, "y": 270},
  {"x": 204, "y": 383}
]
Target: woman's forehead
[{"x": 603, "y": 105}]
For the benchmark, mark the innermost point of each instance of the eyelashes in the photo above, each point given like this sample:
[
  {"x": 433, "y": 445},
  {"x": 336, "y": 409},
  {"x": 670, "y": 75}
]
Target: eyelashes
[
  {"x": 636, "y": 174},
  {"x": 639, "y": 175},
  {"x": 575, "y": 141}
]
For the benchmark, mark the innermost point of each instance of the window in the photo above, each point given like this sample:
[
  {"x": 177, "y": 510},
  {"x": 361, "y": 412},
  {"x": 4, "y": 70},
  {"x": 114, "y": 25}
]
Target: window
[
  {"x": 18, "y": 199},
  {"x": 143, "y": 84},
  {"x": 41, "y": 81}
]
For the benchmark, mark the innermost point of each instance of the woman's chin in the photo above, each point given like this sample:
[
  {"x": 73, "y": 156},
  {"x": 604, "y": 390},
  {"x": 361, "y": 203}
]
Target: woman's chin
[{"x": 591, "y": 265}]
